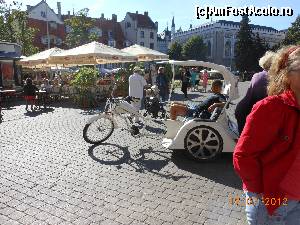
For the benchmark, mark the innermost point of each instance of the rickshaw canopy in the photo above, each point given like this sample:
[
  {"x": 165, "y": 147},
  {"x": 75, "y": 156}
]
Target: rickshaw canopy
[{"x": 230, "y": 80}]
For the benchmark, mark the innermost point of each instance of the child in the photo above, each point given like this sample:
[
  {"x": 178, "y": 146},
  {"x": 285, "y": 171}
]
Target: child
[{"x": 29, "y": 92}]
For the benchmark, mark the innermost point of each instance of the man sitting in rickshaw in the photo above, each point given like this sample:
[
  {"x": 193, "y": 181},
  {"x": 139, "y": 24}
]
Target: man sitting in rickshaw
[{"x": 204, "y": 109}]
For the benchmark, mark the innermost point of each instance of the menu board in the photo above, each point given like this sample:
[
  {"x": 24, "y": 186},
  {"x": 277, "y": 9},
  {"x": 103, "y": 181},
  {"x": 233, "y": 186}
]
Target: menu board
[{"x": 7, "y": 71}]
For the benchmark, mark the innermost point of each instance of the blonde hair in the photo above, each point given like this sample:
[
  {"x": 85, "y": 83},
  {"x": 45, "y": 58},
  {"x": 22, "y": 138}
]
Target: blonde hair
[
  {"x": 285, "y": 60},
  {"x": 265, "y": 62}
]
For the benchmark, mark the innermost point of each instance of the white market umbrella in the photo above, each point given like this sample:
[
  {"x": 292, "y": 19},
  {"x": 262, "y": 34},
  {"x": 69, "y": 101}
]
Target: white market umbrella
[
  {"x": 40, "y": 59},
  {"x": 145, "y": 54},
  {"x": 91, "y": 54}
]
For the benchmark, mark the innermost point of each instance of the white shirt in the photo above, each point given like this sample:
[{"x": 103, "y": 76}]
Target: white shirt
[{"x": 136, "y": 85}]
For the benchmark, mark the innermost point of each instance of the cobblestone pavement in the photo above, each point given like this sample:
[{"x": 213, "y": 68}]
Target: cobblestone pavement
[{"x": 49, "y": 175}]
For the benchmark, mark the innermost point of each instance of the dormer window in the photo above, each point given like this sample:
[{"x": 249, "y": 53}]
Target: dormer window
[{"x": 43, "y": 14}]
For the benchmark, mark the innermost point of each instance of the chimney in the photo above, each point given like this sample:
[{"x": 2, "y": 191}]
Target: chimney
[
  {"x": 102, "y": 15},
  {"x": 114, "y": 17},
  {"x": 137, "y": 12},
  {"x": 156, "y": 25},
  {"x": 28, "y": 7},
  {"x": 59, "y": 9},
  {"x": 69, "y": 13},
  {"x": 146, "y": 13}
]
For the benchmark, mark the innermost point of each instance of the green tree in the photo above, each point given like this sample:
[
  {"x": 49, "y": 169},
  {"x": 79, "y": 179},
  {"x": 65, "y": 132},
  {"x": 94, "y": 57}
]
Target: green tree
[
  {"x": 292, "y": 36},
  {"x": 14, "y": 27},
  {"x": 80, "y": 26},
  {"x": 175, "y": 51},
  {"x": 244, "y": 49},
  {"x": 194, "y": 49},
  {"x": 260, "y": 48}
]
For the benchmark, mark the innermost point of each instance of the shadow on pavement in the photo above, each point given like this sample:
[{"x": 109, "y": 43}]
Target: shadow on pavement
[
  {"x": 220, "y": 171},
  {"x": 120, "y": 156},
  {"x": 38, "y": 112}
]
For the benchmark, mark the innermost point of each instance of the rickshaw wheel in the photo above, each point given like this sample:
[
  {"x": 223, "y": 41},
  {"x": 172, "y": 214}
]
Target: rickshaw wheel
[{"x": 203, "y": 143}]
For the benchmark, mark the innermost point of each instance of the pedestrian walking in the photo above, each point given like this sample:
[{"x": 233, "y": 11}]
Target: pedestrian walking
[
  {"x": 162, "y": 84},
  {"x": 29, "y": 90}
]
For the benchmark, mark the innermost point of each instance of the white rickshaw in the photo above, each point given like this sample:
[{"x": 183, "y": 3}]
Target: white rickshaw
[{"x": 205, "y": 139}]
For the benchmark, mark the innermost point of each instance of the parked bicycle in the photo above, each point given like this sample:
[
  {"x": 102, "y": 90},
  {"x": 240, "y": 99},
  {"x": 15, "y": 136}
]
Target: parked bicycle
[{"x": 99, "y": 128}]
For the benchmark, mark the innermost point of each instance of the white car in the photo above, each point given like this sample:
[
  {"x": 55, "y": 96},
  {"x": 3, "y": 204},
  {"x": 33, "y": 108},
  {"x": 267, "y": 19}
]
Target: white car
[{"x": 205, "y": 139}]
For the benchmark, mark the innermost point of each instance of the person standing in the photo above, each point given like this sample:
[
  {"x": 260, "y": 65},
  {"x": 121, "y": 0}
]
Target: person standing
[
  {"x": 29, "y": 90},
  {"x": 193, "y": 79},
  {"x": 204, "y": 80},
  {"x": 257, "y": 90},
  {"x": 267, "y": 155},
  {"x": 197, "y": 80},
  {"x": 162, "y": 84},
  {"x": 185, "y": 78},
  {"x": 136, "y": 88}
]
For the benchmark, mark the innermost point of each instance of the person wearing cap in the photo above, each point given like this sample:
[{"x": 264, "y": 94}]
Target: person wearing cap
[
  {"x": 136, "y": 87},
  {"x": 162, "y": 84}
]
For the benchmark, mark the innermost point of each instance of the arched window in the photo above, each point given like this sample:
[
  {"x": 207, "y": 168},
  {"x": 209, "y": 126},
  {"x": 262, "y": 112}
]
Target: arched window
[
  {"x": 227, "y": 48},
  {"x": 209, "y": 48}
]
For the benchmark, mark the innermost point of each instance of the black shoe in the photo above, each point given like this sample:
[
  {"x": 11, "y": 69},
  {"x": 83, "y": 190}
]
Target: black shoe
[{"x": 134, "y": 130}]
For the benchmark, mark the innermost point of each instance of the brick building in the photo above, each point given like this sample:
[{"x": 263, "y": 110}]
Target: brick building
[{"x": 49, "y": 25}]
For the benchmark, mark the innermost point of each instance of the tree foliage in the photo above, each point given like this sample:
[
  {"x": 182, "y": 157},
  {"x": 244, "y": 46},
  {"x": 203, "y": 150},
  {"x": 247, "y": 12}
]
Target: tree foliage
[
  {"x": 244, "y": 50},
  {"x": 175, "y": 51},
  {"x": 259, "y": 49},
  {"x": 14, "y": 27},
  {"x": 80, "y": 26},
  {"x": 293, "y": 33},
  {"x": 194, "y": 49}
]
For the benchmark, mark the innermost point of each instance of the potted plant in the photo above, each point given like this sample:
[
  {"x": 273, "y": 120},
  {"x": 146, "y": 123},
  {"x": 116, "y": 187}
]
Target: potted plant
[{"x": 83, "y": 81}]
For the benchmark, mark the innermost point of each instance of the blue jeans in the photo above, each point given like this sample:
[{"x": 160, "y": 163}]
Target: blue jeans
[{"x": 286, "y": 214}]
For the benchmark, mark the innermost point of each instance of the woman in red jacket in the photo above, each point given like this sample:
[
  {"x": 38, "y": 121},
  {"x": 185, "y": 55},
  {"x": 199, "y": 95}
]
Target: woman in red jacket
[{"x": 267, "y": 155}]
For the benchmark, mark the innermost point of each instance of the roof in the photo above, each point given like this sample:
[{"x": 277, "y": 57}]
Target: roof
[
  {"x": 142, "y": 20},
  {"x": 31, "y": 8},
  {"x": 251, "y": 25}
]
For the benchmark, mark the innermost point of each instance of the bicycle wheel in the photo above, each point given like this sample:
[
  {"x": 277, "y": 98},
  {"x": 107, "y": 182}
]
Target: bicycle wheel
[{"x": 98, "y": 131}]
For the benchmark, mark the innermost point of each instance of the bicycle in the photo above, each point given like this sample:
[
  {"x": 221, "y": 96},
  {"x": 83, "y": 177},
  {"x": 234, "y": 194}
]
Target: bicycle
[{"x": 99, "y": 128}]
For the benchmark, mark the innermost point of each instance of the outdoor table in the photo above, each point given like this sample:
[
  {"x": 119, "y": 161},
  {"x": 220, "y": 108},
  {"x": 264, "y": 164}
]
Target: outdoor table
[
  {"x": 4, "y": 94},
  {"x": 41, "y": 98}
]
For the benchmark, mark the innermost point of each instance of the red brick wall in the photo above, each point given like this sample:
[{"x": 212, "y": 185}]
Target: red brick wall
[{"x": 42, "y": 31}]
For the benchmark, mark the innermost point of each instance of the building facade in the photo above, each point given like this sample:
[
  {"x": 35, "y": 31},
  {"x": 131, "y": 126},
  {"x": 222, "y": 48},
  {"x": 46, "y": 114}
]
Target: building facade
[
  {"x": 221, "y": 36},
  {"x": 108, "y": 31},
  {"x": 49, "y": 25},
  {"x": 139, "y": 29},
  {"x": 164, "y": 41}
]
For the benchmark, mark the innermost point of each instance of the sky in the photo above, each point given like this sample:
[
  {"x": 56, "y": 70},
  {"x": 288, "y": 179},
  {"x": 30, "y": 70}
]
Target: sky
[{"x": 184, "y": 11}]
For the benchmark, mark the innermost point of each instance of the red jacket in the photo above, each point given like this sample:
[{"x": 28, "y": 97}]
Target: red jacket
[{"x": 264, "y": 150}]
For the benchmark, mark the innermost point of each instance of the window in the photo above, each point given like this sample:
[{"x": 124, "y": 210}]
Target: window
[
  {"x": 151, "y": 35},
  {"x": 142, "y": 34},
  {"x": 209, "y": 49},
  {"x": 58, "y": 41},
  {"x": 112, "y": 43},
  {"x": 96, "y": 31},
  {"x": 152, "y": 45},
  {"x": 53, "y": 25},
  {"x": 142, "y": 44},
  {"x": 110, "y": 34},
  {"x": 68, "y": 29},
  {"x": 44, "y": 40},
  {"x": 128, "y": 24},
  {"x": 227, "y": 48},
  {"x": 43, "y": 14}
]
